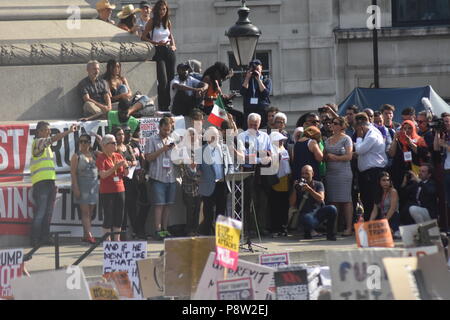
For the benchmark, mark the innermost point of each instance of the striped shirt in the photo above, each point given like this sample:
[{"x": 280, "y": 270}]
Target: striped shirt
[{"x": 156, "y": 169}]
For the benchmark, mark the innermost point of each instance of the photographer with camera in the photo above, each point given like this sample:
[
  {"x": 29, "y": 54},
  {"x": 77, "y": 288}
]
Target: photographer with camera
[
  {"x": 308, "y": 196},
  {"x": 162, "y": 183},
  {"x": 255, "y": 91}
]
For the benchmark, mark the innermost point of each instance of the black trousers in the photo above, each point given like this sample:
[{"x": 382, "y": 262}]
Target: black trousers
[
  {"x": 183, "y": 103},
  {"x": 165, "y": 70},
  {"x": 368, "y": 183},
  {"x": 279, "y": 207},
  {"x": 130, "y": 204},
  {"x": 218, "y": 201},
  {"x": 254, "y": 191}
]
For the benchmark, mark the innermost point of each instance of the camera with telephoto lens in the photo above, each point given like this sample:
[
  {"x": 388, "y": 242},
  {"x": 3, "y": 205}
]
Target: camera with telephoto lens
[
  {"x": 438, "y": 124},
  {"x": 299, "y": 184}
]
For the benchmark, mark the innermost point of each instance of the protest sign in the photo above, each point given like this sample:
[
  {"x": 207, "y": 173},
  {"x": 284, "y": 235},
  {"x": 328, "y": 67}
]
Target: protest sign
[
  {"x": 185, "y": 259},
  {"x": 424, "y": 277},
  {"x": 274, "y": 260},
  {"x": 261, "y": 278},
  {"x": 292, "y": 284},
  {"x": 122, "y": 282},
  {"x": 376, "y": 233},
  {"x": 359, "y": 274},
  {"x": 62, "y": 284},
  {"x": 11, "y": 267},
  {"x": 151, "y": 277},
  {"x": 122, "y": 256},
  {"x": 236, "y": 289},
  {"x": 422, "y": 234},
  {"x": 403, "y": 286},
  {"x": 420, "y": 251},
  {"x": 103, "y": 291},
  {"x": 228, "y": 233}
]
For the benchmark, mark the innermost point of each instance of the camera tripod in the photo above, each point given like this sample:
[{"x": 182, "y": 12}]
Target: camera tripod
[{"x": 248, "y": 242}]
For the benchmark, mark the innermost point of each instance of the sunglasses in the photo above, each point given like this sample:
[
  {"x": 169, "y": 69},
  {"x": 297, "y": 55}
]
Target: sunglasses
[{"x": 84, "y": 141}]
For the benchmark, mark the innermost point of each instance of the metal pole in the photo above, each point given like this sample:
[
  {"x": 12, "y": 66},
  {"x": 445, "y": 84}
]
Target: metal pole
[
  {"x": 376, "y": 76},
  {"x": 56, "y": 251}
]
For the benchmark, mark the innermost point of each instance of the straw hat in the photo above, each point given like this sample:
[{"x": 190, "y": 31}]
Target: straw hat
[
  {"x": 105, "y": 4},
  {"x": 127, "y": 11}
]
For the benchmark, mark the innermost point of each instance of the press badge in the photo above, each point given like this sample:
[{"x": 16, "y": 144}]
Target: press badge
[
  {"x": 408, "y": 156},
  {"x": 166, "y": 163},
  {"x": 116, "y": 179},
  {"x": 253, "y": 100}
]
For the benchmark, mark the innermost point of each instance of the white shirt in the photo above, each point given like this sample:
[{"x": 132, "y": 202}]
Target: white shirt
[
  {"x": 160, "y": 34},
  {"x": 371, "y": 150},
  {"x": 189, "y": 82},
  {"x": 259, "y": 142}
]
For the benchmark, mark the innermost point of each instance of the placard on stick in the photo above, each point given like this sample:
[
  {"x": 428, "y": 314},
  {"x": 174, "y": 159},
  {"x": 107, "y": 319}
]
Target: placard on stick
[
  {"x": 235, "y": 289},
  {"x": 11, "y": 267},
  {"x": 122, "y": 256},
  {"x": 185, "y": 259},
  {"x": 228, "y": 233}
]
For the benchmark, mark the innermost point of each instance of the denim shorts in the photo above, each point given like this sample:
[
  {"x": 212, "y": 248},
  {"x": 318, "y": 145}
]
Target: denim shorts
[{"x": 162, "y": 193}]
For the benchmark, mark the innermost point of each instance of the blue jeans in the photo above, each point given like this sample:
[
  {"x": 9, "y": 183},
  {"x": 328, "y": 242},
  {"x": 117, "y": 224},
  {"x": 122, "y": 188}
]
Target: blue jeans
[
  {"x": 44, "y": 194},
  {"x": 144, "y": 100},
  {"x": 311, "y": 220}
]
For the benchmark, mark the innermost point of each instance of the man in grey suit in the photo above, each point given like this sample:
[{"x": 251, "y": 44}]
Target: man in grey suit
[{"x": 213, "y": 187}]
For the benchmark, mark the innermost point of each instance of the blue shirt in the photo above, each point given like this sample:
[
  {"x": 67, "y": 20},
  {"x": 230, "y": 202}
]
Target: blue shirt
[
  {"x": 250, "y": 143},
  {"x": 253, "y": 92}
]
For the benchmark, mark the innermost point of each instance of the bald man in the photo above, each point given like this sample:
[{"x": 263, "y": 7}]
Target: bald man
[{"x": 308, "y": 197}]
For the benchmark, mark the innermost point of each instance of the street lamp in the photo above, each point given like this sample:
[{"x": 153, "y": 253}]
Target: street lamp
[{"x": 243, "y": 37}]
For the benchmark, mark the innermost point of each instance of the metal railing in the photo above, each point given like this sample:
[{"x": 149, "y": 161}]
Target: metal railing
[
  {"x": 95, "y": 245},
  {"x": 28, "y": 256}
]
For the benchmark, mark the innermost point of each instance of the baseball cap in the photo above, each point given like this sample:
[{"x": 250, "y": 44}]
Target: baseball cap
[
  {"x": 256, "y": 62},
  {"x": 143, "y": 4}
]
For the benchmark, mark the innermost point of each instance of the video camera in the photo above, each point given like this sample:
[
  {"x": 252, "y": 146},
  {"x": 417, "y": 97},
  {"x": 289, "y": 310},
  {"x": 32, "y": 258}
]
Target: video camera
[{"x": 438, "y": 124}]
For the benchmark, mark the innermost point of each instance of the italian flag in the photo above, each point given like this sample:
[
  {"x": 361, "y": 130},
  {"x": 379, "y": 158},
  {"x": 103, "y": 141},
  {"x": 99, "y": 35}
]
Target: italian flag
[{"x": 218, "y": 113}]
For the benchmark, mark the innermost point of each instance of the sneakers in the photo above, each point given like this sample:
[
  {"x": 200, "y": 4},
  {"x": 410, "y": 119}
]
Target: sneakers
[{"x": 159, "y": 235}]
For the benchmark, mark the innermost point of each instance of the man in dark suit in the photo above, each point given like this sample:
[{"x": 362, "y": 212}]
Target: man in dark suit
[
  {"x": 421, "y": 195},
  {"x": 213, "y": 187}
]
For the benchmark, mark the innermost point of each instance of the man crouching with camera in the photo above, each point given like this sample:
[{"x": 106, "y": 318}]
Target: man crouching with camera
[{"x": 308, "y": 196}]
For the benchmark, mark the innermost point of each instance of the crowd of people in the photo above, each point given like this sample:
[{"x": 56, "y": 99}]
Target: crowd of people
[{"x": 322, "y": 177}]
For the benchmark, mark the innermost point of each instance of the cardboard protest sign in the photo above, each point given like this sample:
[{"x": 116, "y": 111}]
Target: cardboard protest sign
[
  {"x": 359, "y": 274},
  {"x": 122, "y": 256},
  {"x": 236, "y": 289},
  {"x": 422, "y": 234},
  {"x": 62, "y": 284},
  {"x": 292, "y": 284},
  {"x": 376, "y": 233},
  {"x": 424, "y": 277},
  {"x": 261, "y": 278},
  {"x": 185, "y": 259},
  {"x": 11, "y": 267},
  {"x": 228, "y": 233},
  {"x": 122, "y": 282},
  {"x": 403, "y": 286},
  {"x": 421, "y": 251},
  {"x": 151, "y": 277},
  {"x": 103, "y": 291}
]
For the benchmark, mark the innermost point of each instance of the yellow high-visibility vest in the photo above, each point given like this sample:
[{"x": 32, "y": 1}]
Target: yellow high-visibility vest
[{"x": 42, "y": 167}]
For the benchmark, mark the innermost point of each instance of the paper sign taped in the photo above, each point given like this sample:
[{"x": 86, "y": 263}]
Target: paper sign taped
[
  {"x": 236, "y": 289},
  {"x": 292, "y": 284},
  {"x": 228, "y": 233}
]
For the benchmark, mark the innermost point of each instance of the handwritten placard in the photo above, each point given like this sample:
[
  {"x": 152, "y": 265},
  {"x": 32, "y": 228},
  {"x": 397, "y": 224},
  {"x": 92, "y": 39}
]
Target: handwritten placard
[{"x": 122, "y": 256}]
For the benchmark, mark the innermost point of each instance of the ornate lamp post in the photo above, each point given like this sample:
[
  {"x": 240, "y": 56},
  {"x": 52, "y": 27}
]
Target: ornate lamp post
[{"x": 243, "y": 37}]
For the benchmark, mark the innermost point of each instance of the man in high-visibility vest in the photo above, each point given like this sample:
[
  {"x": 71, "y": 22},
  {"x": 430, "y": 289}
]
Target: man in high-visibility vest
[{"x": 43, "y": 176}]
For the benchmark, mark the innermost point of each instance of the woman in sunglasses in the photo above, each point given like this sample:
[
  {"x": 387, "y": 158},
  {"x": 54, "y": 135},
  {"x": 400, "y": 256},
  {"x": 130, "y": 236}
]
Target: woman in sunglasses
[
  {"x": 112, "y": 167},
  {"x": 85, "y": 183},
  {"x": 338, "y": 178}
]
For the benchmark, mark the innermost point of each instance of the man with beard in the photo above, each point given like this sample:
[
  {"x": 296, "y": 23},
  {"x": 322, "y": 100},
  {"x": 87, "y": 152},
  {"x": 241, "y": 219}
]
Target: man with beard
[{"x": 185, "y": 91}]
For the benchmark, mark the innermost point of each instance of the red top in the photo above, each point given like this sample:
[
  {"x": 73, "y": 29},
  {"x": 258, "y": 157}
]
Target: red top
[{"x": 114, "y": 182}]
